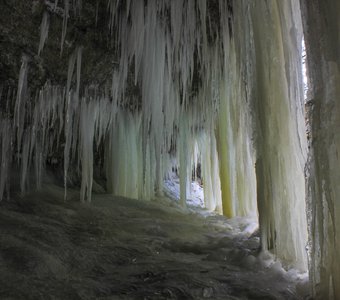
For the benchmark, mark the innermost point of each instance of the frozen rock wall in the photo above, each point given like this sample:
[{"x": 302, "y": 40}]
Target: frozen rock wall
[{"x": 322, "y": 37}]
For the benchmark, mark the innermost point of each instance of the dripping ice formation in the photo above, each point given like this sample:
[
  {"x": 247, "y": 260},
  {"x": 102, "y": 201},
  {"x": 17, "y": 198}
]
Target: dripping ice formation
[
  {"x": 282, "y": 149},
  {"x": 222, "y": 92}
]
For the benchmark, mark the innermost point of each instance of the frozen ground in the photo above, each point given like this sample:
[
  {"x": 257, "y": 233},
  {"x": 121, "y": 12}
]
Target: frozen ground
[{"x": 118, "y": 248}]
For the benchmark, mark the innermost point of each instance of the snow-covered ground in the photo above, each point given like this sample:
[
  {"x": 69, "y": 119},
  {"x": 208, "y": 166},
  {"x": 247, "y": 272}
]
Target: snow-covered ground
[
  {"x": 195, "y": 202},
  {"x": 119, "y": 248}
]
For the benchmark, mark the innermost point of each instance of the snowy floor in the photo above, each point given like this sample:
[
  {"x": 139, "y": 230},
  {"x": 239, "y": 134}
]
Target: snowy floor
[{"x": 119, "y": 248}]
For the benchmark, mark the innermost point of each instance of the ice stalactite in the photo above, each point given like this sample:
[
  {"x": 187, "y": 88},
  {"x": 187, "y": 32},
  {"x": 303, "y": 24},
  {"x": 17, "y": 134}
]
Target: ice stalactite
[
  {"x": 20, "y": 115},
  {"x": 25, "y": 161},
  {"x": 77, "y": 6},
  {"x": 79, "y": 51},
  {"x": 6, "y": 154},
  {"x": 20, "y": 103},
  {"x": 210, "y": 171},
  {"x": 323, "y": 173},
  {"x": 72, "y": 104},
  {"x": 241, "y": 158},
  {"x": 281, "y": 142},
  {"x": 44, "y": 27},
  {"x": 64, "y": 27},
  {"x": 124, "y": 154},
  {"x": 223, "y": 130},
  {"x": 184, "y": 173},
  {"x": 234, "y": 133},
  {"x": 88, "y": 116}
]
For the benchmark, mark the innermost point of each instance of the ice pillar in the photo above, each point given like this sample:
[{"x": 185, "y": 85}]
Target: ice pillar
[{"x": 281, "y": 140}]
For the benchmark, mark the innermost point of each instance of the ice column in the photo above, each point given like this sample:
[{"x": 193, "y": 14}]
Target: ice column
[{"x": 281, "y": 141}]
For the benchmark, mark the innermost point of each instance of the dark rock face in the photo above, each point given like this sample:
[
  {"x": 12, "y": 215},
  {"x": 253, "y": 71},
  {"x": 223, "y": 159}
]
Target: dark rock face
[
  {"x": 85, "y": 24},
  {"x": 20, "y": 35}
]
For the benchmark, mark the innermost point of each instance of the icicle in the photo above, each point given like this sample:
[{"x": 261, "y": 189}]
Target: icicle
[
  {"x": 65, "y": 19},
  {"x": 71, "y": 64},
  {"x": 68, "y": 139},
  {"x": 6, "y": 132},
  {"x": 25, "y": 162},
  {"x": 137, "y": 35},
  {"x": 56, "y": 4},
  {"x": 77, "y": 7},
  {"x": 79, "y": 56},
  {"x": 20, "y": 109},
  {"x": 223, "y": 134},
  {"x": 112, "y": 8},
  {"x": 38, "y": 164},
  {"x": 210, "y": 172},
  {"x": 71, "y": 129},
  {"x": 183, "y": 154},
  {"x": 88, "y": 116},
  {"x": 123, "y": 154},
  {"x": 97, "y": 6},
  {"x": 44, "y": 27}
]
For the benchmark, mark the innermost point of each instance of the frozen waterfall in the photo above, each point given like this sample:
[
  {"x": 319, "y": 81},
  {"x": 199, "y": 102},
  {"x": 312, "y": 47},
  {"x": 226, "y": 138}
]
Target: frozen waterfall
[{"x": 209, "y": 85}]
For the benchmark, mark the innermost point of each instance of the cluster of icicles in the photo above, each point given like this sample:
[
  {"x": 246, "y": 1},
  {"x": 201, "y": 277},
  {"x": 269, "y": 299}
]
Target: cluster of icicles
[{"x": 167, "y": 42}]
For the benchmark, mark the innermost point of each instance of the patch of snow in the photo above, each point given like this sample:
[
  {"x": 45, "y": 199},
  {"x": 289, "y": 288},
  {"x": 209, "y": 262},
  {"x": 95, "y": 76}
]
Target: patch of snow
[{"x": 195, "y": 194}]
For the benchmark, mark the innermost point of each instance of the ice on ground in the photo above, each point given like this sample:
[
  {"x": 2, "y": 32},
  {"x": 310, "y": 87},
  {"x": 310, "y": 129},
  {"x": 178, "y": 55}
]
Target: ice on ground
[{"x": 120, "y": 248}]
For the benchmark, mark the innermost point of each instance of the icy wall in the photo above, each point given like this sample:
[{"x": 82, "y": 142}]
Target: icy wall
[
  {"x": 322, "y": 36},
  {"x": 210, "y": 83}
]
